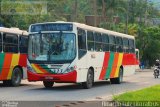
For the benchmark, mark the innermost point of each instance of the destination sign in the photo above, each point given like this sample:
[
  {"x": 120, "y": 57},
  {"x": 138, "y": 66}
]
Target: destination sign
[{"x": 51, "y": 27}]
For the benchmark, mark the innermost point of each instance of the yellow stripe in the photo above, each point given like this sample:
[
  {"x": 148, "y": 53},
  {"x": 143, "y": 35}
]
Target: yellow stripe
[
  {"x": 119, "y": 64},
  {"x": 36, "y": 69},
  {"x": 15, "y": 61}
]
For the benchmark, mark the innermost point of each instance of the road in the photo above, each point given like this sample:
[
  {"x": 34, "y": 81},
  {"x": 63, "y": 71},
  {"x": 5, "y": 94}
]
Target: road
[{"x": 34, "y": 91}]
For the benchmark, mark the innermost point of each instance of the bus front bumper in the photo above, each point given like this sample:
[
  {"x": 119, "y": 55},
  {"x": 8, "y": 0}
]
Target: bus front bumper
[{"x": 68, "y": 77}]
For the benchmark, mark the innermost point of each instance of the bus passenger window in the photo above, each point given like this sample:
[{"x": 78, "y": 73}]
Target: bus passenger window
[
  {"x": 90, "y": 41},
  {"x": 98, "y": 42},
  {"x": 119, "y": 44},
  {"x": 125, "y": 45},
  {"x": 105, "y": 42},
  {"x": 81, "y": 43},
  {"x": 10, "y": 43},
  {"x": 23, "y": 42},
  {"x": 112, "y": 43},
  {"x": 131, "y": 46}
]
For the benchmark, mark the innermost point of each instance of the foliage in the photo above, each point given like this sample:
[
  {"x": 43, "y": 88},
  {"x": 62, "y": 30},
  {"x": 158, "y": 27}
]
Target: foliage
[
  {"x": 149, "y": 44},
  {"x": 134, "y": 17}
]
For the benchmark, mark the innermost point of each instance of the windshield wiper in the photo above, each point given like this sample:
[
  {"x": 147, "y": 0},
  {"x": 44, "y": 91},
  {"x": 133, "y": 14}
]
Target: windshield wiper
[{"x": 56, "y": 48}]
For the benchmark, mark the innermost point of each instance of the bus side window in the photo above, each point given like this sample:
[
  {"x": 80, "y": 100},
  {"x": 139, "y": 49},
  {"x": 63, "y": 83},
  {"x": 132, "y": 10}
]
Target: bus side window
[
  {"x": 131, "y": 46},
  {"x": 81, "y": 43},
  {"x": 119, "y": 44},
  {"x": 112, "y": 43},
  {"x": 126, "y": 45},
  {"x": 98, "y": 42},
  {"x": 0, "y": 42},
  {"x": 105, "y": 41},
  {"x": 23, "y": 42},
  {"x": 10, "y": 43},
  {"x": 90, "y": 41}
]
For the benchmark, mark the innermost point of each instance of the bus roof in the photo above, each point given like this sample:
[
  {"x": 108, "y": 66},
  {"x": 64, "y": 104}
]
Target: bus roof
[
  {"x": 91, "y": 28},
  {"x": 13, "y": 31}
]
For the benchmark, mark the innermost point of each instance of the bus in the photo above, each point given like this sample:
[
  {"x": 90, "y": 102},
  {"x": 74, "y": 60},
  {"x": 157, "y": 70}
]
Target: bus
[
  {"x": 13, "y": 55},
  {"x": 72, "y": 52}
]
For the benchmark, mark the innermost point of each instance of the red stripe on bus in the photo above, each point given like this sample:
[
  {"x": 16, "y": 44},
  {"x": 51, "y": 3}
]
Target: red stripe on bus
[
  {"x": 105, "y": 65},
  {"x": 129, "y": 59},
  {"x": 6, "y": 66},
  {"x": 23, "y": 60}
]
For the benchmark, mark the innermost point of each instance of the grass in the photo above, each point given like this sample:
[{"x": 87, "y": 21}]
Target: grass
[{"x": 146, "y": 94}]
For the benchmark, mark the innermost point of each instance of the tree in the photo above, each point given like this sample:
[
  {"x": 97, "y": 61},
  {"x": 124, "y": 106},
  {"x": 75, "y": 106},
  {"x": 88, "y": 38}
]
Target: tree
[{"x": 149, "y": 44}]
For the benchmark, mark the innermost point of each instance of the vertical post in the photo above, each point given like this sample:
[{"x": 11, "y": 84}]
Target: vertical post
[
  {"x": 104, "y": 10},
  {"x": 75, "y": 10},
  {"x": 127, "y": 12},
  {"x": 0, "y": 9},
  {"x": 95, "y": 12}
]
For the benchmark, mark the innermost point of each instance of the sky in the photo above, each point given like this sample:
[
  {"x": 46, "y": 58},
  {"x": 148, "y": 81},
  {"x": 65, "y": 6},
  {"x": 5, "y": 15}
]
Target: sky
[{"x": 156, "y": 3}]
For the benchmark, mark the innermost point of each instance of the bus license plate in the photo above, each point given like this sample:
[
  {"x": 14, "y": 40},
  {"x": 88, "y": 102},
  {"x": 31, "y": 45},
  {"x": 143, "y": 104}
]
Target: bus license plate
[{"x": 48, "y": 78}]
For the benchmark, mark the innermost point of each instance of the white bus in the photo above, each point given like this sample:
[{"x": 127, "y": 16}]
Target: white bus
[
  {"x": 13, "y": 55},
  {"x": 78, "y": 53}
]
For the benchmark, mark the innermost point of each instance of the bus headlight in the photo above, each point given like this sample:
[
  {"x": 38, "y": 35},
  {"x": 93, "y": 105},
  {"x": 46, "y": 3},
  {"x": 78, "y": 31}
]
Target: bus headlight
[{"x": 70, "y": 69}]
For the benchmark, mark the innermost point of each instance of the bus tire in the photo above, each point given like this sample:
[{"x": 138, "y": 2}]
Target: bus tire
[
  {"x": 16, "y": 77},
  {"x": 90, "y": 80},
  {"x": 119, "y": 79},
  {"x": 48, "y": 84}
]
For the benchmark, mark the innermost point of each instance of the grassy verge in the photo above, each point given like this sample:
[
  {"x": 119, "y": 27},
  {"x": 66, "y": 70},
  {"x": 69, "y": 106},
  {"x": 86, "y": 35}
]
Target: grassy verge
[
  {"x": 148, "y": 97},
  {"x": 147, "y": 94}
]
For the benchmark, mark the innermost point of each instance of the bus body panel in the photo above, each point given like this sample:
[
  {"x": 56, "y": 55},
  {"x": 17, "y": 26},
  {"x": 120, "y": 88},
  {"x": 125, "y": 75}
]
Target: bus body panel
[
  {"x": 96, "y": 60},
  {"x": 9, "y": 62},
  {"x": 113, "y": 61},
  {"x": 128, "y": 70},
  {"x": 82, "y": 68},
  {"x": 105, "y": 64},
  {"x": 69, "y": 77}
]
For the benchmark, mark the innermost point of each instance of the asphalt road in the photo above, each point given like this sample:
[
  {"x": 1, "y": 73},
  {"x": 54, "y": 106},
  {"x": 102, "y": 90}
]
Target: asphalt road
[{"x": 34, "y": 91}]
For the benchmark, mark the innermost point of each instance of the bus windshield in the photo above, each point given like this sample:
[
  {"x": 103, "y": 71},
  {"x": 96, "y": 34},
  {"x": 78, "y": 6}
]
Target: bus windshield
[{"x": 54, "y": 47}]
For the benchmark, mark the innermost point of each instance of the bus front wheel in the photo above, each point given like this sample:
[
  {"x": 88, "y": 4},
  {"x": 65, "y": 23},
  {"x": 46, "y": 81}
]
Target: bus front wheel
[
  {"x": 119, "y": 79},
  {"x": 90, "y": 80},
  {"x": 48, "y": 84}
]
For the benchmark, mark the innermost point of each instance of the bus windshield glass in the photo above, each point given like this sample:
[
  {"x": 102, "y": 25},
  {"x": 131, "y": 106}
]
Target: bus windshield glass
[{"x": 54, "y": 47}]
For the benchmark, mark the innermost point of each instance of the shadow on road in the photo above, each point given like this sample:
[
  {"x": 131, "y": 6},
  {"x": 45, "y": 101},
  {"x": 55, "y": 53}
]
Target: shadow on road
[
  {"x": 61, "y": 86},
  {"x": 22, "y": 85},
  {"x": 71, "y": 87}
]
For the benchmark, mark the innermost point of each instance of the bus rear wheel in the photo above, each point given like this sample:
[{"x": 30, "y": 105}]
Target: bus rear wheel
[
  {"x": 90, "y": 80},
  {"x": 48, "y": 84},
  {"x": 119, "y": 79},
  {"x": 16, "y": 77}
]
